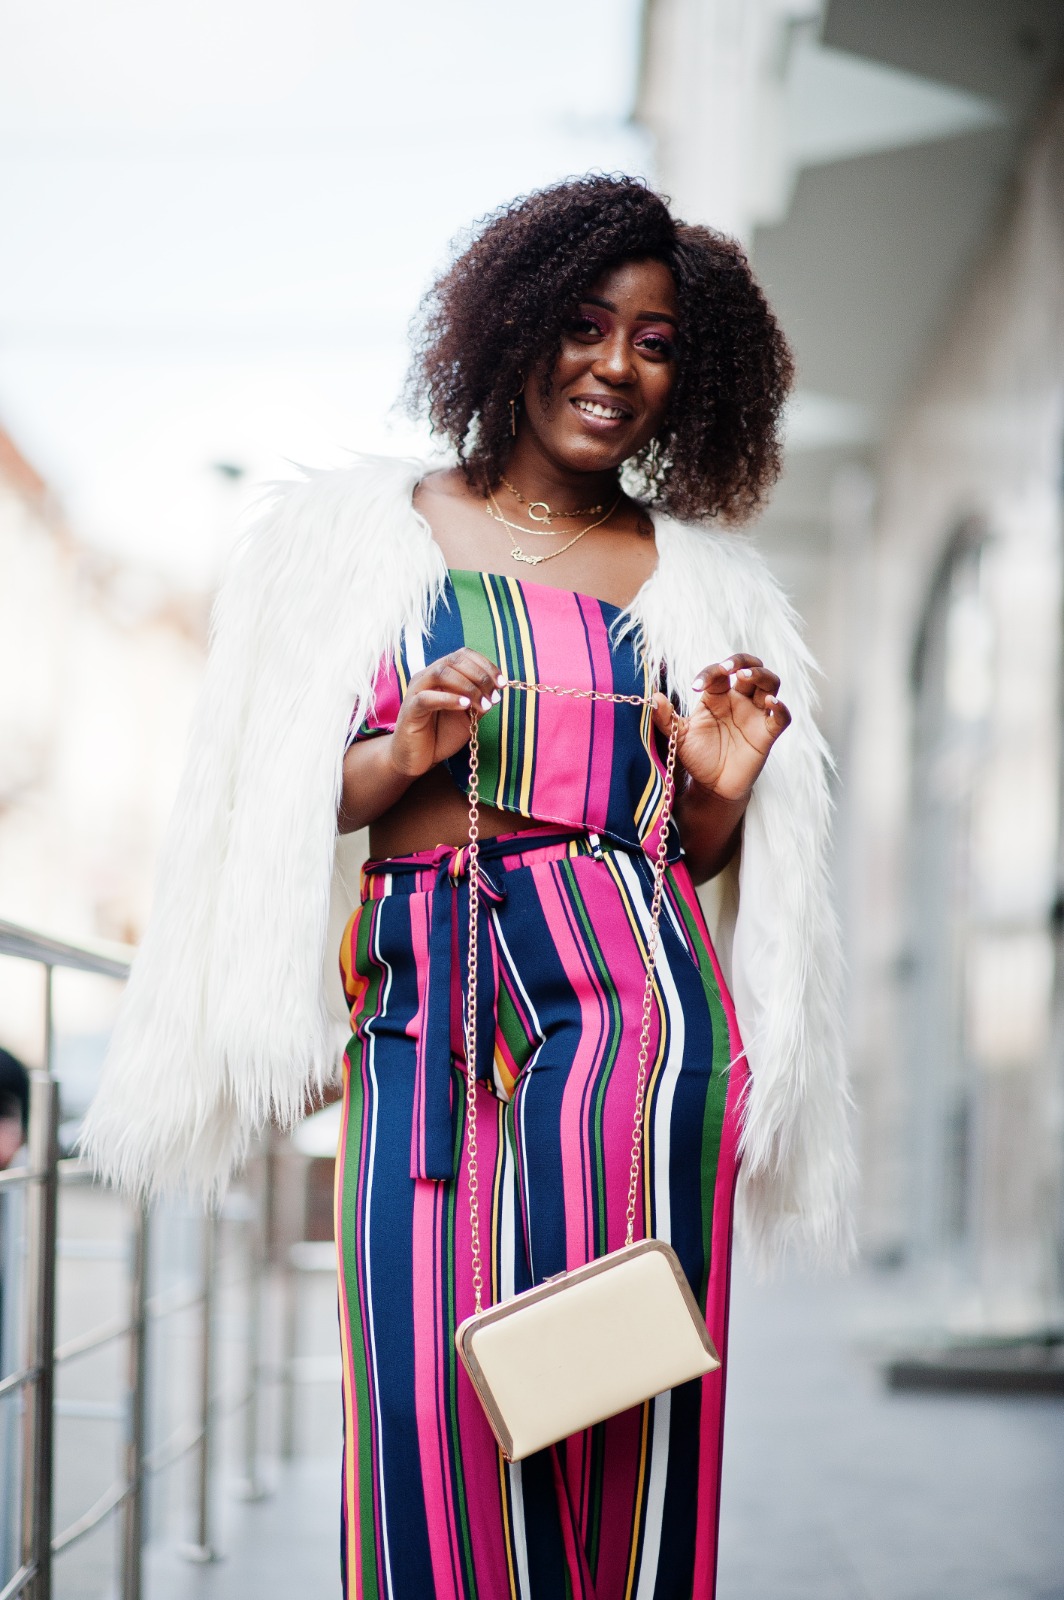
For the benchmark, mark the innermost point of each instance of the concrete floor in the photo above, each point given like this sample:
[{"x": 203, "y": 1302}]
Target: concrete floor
[{"x": 834, "y": 1489}]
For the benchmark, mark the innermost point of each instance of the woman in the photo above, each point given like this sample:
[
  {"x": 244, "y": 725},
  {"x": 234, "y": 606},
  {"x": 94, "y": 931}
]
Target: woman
[{"x": 584, "y": 330}]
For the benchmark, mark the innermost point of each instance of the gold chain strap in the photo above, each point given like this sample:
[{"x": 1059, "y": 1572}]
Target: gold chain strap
[{"x": 471, "y": 988}]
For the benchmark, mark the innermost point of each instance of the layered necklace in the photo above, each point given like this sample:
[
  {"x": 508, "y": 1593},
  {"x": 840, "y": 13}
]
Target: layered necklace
[{"x": 540, "y": 511}]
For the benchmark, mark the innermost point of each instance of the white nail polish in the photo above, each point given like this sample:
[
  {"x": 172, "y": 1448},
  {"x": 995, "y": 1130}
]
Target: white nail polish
[
  {"x": 747, "y": 672},
  {"x": 485, "y": 703},
  {"x": 501, "y": 681},
  {"x": 463, "y": 700},
  {"x": 733, "y": 678},
  {"x": 496, "y": 697},
  {"x": 698, "y": 685},
  {"x": 728, "y": 665}
]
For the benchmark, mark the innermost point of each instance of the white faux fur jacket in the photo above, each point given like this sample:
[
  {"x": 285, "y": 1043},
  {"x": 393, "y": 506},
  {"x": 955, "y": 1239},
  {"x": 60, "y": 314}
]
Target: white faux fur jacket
[{"x": 225, "y": 1023}]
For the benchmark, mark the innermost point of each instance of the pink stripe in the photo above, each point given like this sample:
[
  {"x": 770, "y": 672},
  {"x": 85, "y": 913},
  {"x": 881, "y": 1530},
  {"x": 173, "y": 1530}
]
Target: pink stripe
[
  {"x": 415, "y": 1028},
  {"x": 476, "y": 1440},
  {"x": 351, "y": 1505},
  {"x": 562, "y": 725},
  {"x": 430, "y": 1398}
]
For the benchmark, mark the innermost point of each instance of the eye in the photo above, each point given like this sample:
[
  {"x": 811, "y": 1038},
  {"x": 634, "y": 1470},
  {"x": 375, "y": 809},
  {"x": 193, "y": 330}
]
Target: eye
[
  {"x": 656, "y": 344},
  {"x": 585, "y": 326}
]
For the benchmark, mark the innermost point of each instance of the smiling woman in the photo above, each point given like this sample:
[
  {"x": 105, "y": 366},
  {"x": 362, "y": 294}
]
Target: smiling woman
[{"x": 611, "y": 380}]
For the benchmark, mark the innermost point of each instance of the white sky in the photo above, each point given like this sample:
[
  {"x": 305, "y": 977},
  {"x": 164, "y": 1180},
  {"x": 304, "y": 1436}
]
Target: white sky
[{"x": 216, "y": 219}]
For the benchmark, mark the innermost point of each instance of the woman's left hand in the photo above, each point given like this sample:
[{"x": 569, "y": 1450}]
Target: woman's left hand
[{"x": 734, "y": 722}]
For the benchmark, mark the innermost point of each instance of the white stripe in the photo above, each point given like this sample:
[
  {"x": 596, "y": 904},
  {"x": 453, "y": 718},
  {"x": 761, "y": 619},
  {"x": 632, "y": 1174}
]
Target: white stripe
[
  {"x": 659, "y": 1458},
  {"x": 517, "y": 1509},
  {"x": 414, "y": 648}
]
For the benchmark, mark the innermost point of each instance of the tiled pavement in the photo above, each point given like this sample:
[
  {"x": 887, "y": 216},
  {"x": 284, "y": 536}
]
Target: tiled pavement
[{"x": 834, "y": 1489}]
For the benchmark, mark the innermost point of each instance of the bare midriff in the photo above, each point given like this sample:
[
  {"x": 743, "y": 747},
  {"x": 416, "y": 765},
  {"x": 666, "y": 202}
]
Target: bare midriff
[{"x": 434, "y": 811}]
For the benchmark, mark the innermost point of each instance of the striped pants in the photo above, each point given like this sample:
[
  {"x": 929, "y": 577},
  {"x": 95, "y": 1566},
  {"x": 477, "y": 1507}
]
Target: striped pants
[{"x": 430, "y": 1507}]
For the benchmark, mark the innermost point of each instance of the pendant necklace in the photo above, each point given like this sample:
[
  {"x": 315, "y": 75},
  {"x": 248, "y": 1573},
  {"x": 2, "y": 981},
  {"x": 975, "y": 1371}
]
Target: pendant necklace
[
  {"x": 540, "y": 511},
  {"x": 516, "y": 552}
]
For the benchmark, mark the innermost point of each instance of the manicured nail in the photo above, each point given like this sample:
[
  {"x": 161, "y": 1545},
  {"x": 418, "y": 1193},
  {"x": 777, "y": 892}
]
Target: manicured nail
[
  {"x": 463, "y": 700},
  {"x": 485, "y": 703},
  {"x": 733, "y": 678},
  {"x": 727, "y": 665},
  {"x": 747, "y": 672},
  {"x": 501, "y": 681},
  {"x": 496, "y": 697},
  {"x": 698, "y": 685}
]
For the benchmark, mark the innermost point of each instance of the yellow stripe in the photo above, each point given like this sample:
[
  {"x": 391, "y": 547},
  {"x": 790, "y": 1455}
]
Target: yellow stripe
[
  {"x": 505, "y": 708},
  {"x": 628, "y": 1588},
  {"x": 521, "y": 621}
]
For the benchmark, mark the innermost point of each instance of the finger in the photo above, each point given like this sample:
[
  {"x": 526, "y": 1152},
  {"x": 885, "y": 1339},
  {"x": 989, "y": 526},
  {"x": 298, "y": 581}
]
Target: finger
[
  {"x": 713, "y": 680},
  {"x": 475, "y": 672},
  {"x": 482, "y": 692},
  {"x": 778, "y": 715},
  {"x": 429, "y": 702},
  {"x": 756, "y": 682},
  {"x": 478, "y": 666},
  {"x": 663, "y": 712}
]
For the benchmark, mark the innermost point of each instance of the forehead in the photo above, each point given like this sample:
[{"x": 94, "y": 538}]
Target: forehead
[{"x": 635, "y": 286}]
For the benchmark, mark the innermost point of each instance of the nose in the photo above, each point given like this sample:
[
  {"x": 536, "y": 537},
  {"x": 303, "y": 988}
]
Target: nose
[{"x": 613, "y": 360}]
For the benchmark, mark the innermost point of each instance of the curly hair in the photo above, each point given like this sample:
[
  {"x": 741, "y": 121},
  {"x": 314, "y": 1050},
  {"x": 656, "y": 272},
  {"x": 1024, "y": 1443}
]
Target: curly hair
[{"x": 500, "y": 310}]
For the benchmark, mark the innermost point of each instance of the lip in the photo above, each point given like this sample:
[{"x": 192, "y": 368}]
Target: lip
[{"x": 602, "y": 424}]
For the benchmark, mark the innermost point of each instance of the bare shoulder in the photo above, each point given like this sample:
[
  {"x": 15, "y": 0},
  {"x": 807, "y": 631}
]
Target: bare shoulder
[{"x": 447, "y": 483}]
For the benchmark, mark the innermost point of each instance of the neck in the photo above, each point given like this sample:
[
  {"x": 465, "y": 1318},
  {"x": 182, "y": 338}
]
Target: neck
[{"x": 538, "y": 477}]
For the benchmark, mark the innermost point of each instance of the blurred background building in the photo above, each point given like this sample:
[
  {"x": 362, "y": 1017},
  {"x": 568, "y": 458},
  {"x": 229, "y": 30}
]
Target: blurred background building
[
  {"x": 898, "y": 171},
  {"x": 217, "y": 220}
]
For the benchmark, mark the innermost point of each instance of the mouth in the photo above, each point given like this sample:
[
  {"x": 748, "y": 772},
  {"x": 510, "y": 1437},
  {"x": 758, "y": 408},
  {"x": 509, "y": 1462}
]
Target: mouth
[{"x": 601, "y": 410}]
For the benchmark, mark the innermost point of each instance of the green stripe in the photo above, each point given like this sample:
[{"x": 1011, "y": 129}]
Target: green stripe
[
  {"x": 717, "y": 1091},
  {"x": 359, "y": 1376}
]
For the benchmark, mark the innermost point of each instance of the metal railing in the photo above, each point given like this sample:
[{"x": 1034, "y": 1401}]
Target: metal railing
[{"x": 41, "y": 1179}]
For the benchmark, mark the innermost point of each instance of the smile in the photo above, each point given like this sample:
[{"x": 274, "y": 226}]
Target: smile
[{"x": 592, "y": 408}]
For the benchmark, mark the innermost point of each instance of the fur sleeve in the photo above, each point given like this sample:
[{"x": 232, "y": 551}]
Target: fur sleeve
[
  {"x": 715, "y": 596},
  {"x": 224, "y": 1023}
]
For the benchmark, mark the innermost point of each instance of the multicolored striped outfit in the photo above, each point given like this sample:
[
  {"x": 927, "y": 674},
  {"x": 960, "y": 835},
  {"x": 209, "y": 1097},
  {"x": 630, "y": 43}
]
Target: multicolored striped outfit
[{"x": 628, "y": 1509}]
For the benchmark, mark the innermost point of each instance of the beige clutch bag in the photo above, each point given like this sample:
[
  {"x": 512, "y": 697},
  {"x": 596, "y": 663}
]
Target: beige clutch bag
[
  {"x": 585, "y": 1345},
  {"x": 593, "y": 1341}
]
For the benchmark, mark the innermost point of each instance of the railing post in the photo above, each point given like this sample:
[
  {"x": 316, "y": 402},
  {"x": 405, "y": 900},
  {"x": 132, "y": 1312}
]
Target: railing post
[
  {"x": 136, "y": 1438},
  {"x": 201, "y": 1548},
  {"x": 252, "y": 1487},
  {"x": 38, "y": 1460}
]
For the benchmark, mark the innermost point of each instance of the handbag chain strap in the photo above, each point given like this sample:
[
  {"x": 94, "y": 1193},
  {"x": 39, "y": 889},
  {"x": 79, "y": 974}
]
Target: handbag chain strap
[{"x": 471, "y": 988}]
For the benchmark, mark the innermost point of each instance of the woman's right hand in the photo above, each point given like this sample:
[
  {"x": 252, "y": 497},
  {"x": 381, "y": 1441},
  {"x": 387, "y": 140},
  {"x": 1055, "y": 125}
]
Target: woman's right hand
[{"x": 433, "y": 721}]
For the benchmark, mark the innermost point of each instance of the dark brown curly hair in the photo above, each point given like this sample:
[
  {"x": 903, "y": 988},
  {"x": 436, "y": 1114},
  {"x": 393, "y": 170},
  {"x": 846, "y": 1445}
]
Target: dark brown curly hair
[{"x": 502, "y": 307}]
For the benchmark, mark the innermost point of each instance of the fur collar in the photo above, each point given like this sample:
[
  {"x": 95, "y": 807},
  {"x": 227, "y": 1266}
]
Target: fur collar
[{"x": 225, "y": 1023}]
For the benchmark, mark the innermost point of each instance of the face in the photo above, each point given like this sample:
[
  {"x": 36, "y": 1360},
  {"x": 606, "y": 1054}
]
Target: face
[{"x": 614, "y": 373}]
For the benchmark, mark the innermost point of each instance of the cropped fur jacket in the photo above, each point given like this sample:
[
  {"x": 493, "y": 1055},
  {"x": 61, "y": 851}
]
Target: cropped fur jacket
[{"x": 225, "y": 1023}]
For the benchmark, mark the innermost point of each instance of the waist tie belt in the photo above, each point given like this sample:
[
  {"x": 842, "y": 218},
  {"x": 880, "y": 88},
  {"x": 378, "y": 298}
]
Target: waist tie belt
[{"x": 434, "y": 1146}]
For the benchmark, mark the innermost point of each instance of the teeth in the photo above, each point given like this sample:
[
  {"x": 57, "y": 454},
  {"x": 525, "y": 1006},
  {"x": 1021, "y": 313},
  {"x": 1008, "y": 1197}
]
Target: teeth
[{"x": 593, "y": 409}]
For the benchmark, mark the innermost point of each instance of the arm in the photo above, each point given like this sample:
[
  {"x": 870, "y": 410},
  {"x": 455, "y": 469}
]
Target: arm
[
  {"x": 433, "y": 723},
  {"x": 723, "y": 746}
]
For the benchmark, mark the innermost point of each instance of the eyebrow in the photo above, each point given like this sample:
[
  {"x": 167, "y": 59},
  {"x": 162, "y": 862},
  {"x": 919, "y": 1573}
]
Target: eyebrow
[{"x": 641, "y": 316}]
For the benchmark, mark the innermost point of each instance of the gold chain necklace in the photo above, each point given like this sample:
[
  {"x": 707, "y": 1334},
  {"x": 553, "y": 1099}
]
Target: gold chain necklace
[
  {"x": 540, "y": 511},
  {"x": 517, "y": 554}
]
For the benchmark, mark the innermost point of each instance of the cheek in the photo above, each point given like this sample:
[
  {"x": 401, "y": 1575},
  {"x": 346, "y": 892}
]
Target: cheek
[{"x": 657, "y": 390}]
